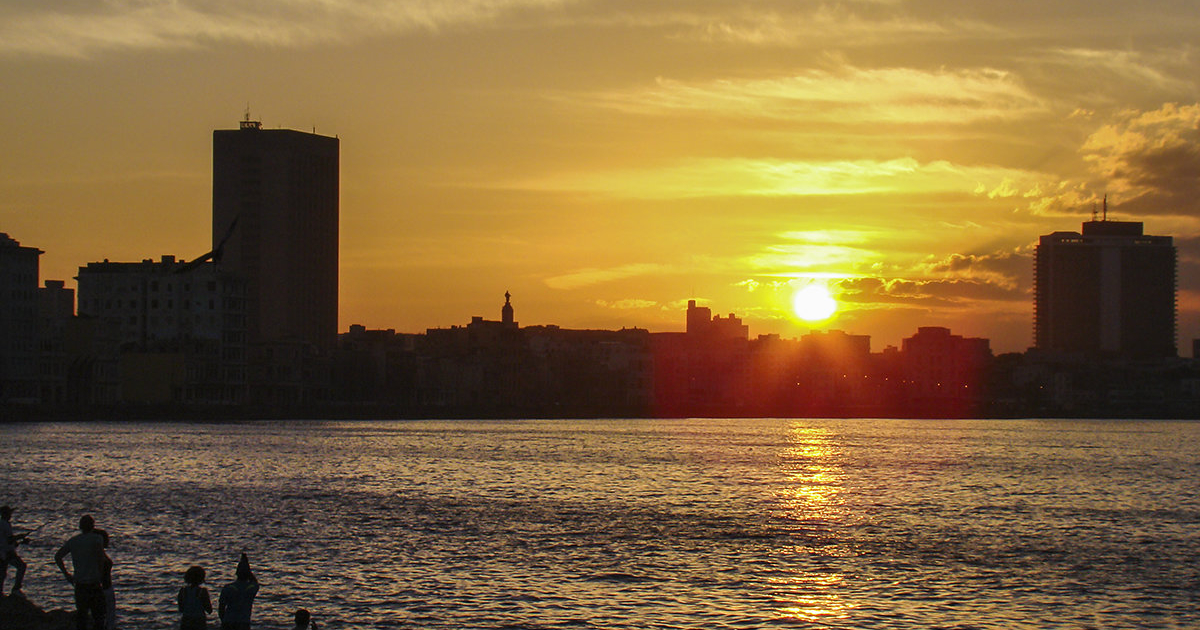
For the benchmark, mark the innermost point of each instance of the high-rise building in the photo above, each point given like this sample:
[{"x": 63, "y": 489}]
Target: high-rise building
[
  {"x": 1106, "y": 292},
  {"x": 275, "y": 223},
  {"x": 18, "y": 321}
]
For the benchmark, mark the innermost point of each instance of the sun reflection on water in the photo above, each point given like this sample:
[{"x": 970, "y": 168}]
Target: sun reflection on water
[
  {"x": 812, "y": 468},
  {"x": 819, "y": 601},
  {"x": 811, "y": 495}
]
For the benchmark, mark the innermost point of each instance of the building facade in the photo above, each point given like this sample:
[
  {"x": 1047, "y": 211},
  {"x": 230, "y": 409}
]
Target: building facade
[
  {"x": 1108, "y": 291},
  {"x": 56, "y": 314},
  {"x": 19, "y": 269},
  {"x": 163, "y": 332},
  {"x": 275, "y": 223}
]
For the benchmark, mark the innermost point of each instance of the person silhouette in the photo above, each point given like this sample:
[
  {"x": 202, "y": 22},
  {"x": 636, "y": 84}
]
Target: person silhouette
[
  {"x": 87, "y": 558},
  {"x": 8, "y": 551},
  {"x": 304, "y": 620},
  {"x": 194, "y": 603},
  {"x": 237, "y": 598},
  {"x": 106, "y": 586}
]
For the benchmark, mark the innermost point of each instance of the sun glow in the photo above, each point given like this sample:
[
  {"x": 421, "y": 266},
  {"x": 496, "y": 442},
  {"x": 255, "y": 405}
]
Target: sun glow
[{"x": 814, "y": 303}]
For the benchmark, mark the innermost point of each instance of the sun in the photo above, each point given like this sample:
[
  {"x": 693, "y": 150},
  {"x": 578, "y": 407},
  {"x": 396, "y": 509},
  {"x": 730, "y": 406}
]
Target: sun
[{"x": 813, "y": 303}]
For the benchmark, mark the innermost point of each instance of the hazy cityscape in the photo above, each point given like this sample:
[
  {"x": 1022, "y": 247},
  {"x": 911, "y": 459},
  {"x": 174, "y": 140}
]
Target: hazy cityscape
[{"x": 250, "y": 329}]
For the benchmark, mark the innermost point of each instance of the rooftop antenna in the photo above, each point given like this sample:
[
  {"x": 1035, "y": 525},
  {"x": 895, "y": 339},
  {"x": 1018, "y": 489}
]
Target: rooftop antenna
[
  {"x": 1105, "y": 206},
  {"x": 1094, "y": 211},
  {"x": 247, "y": 123}
]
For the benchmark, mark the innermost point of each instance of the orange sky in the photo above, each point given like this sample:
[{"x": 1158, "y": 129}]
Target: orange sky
[{"x": 607, "y": 161}]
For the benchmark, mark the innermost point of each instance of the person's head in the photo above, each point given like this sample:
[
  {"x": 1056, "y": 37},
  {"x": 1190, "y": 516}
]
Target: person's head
[
  {"x": 87, "y": 523},
  {"x": 194, "y": 576},
  {"x": 5, "y": 512},
  {"x": 243, "y": 569},
  {"x": 302, "y": 618}
]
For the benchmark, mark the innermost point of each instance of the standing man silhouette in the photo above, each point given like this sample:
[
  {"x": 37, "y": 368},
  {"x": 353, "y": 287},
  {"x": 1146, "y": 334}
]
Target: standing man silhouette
[
  {"x": 237, "y": 598},
  {"x": 8, "y": 551},
  {"x": 87, "y": 558}
]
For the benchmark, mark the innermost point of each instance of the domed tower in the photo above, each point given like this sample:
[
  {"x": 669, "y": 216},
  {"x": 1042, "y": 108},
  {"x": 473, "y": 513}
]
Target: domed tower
[{"x": 506, "y": 313}]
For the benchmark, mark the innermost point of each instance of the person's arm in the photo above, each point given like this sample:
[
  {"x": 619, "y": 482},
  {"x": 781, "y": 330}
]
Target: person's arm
[
  {"x": 179, "y": 597},
  {"x": 222, "y": 600},
  {"x": 58, "y": 559},
  {"x": 106, "y": 567},
  {"x": 10, "y": 537},
  {"x": 205, "y": 600}
]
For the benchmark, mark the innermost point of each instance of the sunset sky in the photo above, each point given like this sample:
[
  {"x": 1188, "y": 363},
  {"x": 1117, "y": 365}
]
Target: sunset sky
[{"x": 606, "y": 161}]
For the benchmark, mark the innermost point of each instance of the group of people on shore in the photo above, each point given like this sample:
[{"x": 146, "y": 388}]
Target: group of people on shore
[{"x": 92, "y": 581}]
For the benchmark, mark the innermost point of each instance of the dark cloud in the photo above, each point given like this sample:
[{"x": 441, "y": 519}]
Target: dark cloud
[
  {"x": 951, "y": 293},
  {"x": 1151, "y": 160},
  {"x": 1014, "y": 265}
]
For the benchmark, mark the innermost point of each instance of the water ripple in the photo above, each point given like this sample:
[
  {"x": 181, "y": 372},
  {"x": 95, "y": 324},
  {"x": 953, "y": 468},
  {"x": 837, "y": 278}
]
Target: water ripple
[{"x": 633, "y": 524}]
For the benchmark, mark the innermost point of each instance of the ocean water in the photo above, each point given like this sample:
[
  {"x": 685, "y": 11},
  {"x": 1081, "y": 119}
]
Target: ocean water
[{"x": 701, "y": 523}]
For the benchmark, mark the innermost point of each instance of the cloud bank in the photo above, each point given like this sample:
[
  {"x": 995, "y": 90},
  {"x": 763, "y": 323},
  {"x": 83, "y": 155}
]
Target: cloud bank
[{"x": 83, "y": 29}]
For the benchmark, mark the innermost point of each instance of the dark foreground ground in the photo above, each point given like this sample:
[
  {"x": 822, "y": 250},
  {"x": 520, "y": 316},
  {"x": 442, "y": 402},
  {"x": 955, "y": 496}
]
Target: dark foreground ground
[{"x": 18, "y": 613}]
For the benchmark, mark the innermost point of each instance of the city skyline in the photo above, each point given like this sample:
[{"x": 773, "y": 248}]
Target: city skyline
[{"x": 607, "y": 162}]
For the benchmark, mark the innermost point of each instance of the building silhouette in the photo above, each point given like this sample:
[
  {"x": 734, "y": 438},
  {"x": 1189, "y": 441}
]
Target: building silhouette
[
  {"x": 701, "y": 323},
  {"x": 275, "y": 223},
  {"x": 56, "y": 315},
  {"x": 18, "y": 321},
  {"x": 1106, "y": 292},
  {"x": 943, "y": 373},
  {"x": 831, "y": 371},
  {"x": 164, "y": 332},
  {"x": 495, "y": 368},
  {"x": 506, "y": 311}
]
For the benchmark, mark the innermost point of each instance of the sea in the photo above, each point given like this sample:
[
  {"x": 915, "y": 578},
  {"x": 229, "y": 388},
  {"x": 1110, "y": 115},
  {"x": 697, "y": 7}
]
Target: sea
[{"x": 691, "y": 523}]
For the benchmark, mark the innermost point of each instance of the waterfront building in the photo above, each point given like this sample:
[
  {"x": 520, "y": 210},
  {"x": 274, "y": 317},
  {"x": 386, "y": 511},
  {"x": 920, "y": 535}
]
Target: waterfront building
[
  {"x": 165, "y": 331},
  {"x": 937, "y": 362},
  {"x": 1106, "y": 291},
  {"x": 56, "y": 312},
  {"x": 833, "y": 371},
  {"x": 275, "y": 227},
  {"x": 18, "y": 321},
  {"x": 275, "y": 223},
  {"x": 704, "y": 370}
]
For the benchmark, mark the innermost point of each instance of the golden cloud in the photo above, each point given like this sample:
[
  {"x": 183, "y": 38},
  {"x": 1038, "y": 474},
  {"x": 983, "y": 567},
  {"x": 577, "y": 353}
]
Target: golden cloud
[
  {"x": 846, "y": 95},
  {"x": 732, "y": 177},
  {"x": 591, "y": 275},
  {"x": 627, "y": 304},
  {"x": 196, "y": 23}
]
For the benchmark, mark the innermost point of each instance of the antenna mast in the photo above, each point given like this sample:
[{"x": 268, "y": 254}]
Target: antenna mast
[
  {"x": 1105, "y": 206},
  {"x": 247, "y": 123}
]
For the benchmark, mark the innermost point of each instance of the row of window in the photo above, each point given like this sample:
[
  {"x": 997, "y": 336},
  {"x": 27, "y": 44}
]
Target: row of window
[
  {"x": 169, "y": 287},
  {"x": 23, "y": 277},
  {"x": 167, "y": 320},
  {"x": 154, "y": 304}
]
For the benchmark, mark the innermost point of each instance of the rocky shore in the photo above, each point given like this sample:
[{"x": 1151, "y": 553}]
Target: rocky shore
[{"x": 18, "y": 613}]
